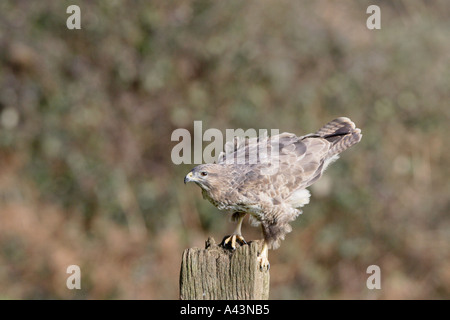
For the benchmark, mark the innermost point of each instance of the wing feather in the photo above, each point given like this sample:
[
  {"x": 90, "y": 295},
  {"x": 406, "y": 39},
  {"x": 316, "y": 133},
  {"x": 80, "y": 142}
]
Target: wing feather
[{"x": 285, "y": 164}]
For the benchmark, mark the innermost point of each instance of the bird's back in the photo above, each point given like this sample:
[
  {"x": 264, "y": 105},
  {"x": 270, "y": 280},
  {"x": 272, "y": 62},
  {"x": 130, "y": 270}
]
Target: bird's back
[{"x": 289, "y": 163}]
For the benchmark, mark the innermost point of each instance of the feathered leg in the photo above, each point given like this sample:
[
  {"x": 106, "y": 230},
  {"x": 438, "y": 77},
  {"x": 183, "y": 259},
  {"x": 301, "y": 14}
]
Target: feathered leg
[
  {"x": 275, "y": 226},
  {"x": 236, "y": 235}
]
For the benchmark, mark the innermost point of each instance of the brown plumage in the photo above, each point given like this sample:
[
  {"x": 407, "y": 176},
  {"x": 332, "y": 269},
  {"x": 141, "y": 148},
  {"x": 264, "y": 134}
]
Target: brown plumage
[{"x": 252, "y": 177}]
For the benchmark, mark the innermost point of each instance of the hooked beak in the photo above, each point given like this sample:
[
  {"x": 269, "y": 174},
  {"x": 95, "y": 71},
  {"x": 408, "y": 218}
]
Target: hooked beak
[{"x": 189, "y": 177}]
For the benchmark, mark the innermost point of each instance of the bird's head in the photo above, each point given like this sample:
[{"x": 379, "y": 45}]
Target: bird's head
[{"x": 206, "y": 176}]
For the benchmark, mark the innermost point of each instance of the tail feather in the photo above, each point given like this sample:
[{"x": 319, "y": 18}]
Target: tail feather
[{"x": 342, "y": 133}]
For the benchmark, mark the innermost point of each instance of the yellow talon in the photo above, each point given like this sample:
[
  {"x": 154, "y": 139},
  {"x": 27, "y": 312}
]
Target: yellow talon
[
  {"x": 233, "y": 238},
  {"x": 263, "y": 258}
]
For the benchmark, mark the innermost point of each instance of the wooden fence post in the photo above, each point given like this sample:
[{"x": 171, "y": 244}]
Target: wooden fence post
[{"x": 215, "y": 273}]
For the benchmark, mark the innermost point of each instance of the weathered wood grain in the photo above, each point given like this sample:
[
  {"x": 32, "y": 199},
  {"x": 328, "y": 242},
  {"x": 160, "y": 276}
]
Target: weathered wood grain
[{"x": 215, "y": 273}]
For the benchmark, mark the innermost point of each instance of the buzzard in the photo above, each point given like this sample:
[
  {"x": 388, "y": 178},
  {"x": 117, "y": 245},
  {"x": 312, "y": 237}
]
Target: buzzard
[{"x": 271, "y": 187}]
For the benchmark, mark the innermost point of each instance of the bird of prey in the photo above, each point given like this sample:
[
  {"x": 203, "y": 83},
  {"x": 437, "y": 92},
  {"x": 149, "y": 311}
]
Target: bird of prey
[{"x": 272, "y": 187}]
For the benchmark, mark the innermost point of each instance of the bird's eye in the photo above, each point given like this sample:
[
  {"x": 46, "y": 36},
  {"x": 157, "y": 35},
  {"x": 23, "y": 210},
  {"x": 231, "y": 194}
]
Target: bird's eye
[{"x": 203, "y": 173}]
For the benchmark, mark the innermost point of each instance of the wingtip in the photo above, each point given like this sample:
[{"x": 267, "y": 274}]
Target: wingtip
[
  {"x": 358, "y": 134},
  {"x": 346, "y": 120}
]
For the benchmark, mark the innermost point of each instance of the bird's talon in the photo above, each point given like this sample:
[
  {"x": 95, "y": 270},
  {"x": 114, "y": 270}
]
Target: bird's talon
[
  {"x": 241, "y": 240},
  {"x": 263, "y": 259},
  {"x": 233, "y": 239},
  {"x": 264, "y": 264}
]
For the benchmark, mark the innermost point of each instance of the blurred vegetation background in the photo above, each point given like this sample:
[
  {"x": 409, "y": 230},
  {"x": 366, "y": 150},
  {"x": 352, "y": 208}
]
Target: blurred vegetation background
[{"x": 86, "y": 118}]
